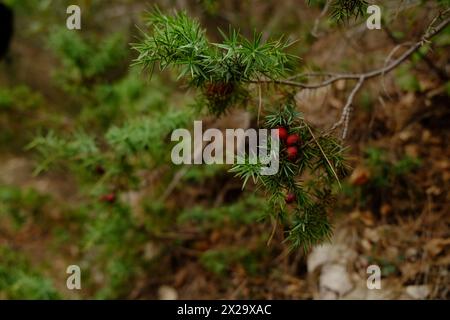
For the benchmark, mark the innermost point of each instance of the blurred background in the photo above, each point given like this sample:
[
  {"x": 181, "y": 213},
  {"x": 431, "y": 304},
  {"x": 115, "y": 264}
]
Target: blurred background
[{"x": 86, "y": 177}]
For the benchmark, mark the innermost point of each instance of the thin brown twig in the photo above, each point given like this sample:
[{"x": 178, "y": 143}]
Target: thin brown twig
[
  {"x": 345, "y": 116},
  {"x": 317, "y": 21}
]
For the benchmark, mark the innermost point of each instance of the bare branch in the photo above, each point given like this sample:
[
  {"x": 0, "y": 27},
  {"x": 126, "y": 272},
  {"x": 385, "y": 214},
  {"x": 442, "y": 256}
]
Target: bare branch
[{"x": 429, "y": 34}]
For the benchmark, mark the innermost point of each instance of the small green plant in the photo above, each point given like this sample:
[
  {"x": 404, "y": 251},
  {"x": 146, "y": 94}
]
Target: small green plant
[
  {"x": 124, "y": 212},
  {"x": 19, "y": 281},
  {"x": 220, "y": 70},
  {"x": 380, "y": 179},
  {"x": 24, "y": 106},
  {"x": 19, "y": 206},
  {"x": 122, "y": 128},
  {"x": 252, "y": 205},
  {"x": 85, "y": 61}
]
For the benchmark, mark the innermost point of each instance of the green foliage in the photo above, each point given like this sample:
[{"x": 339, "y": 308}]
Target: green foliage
[
  {"x": 320, "y": 158},
  {"x": 200, "y": 173},
  {"x": 385, "y": 170},
  {"x": 447, "y": 88},
  {"x": 344, "y": 10},
  {"x": 19, "y": 99},
  {"x": 19, "y": 205},
  {"x": 388, "y": 267},
  {"x": 114, "y": 103},
  {"x": 406, "y": 80},
  {"x": 20, "y": 111},
  {"x": 148, "y": 134},
  {"x": 123, "y": 149},
  {"x": 122, "y": 128},
  {"x": 218, "y": 69},
  {"x": 406, "y": 165},
  {"x": 310, "y": 226},
  {"x": 253, "y": 206},
  {"x": 26, "y": 5},
  {"x": 367, "y": 100},
  {"x": 85, "y": 61},
  {"x": 19, "y": 281},
  {"x": 54, "y": 149},
  {"x": 116, "y": 239},
  {"x": 444, "y": 3},
  {"x": 210, "y": 6}
]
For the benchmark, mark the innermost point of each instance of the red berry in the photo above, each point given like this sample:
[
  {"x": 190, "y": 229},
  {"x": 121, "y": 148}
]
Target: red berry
[
  {"x": 292, "y": 139},
  {"x": 282, "y": 133},
  {"x": 110, "y": 197},
  {"x": 292, "y": 153},
  {"x": 290, "y": 197}
]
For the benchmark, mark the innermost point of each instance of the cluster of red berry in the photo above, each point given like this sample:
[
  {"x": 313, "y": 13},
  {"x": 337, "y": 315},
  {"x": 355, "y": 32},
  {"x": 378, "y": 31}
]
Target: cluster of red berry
[{"x": 291, "y": 141}]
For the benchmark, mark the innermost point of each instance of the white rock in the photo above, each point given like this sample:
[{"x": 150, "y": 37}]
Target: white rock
[
  {"x": 319, "y": 256},
  {"x": 329, "y": 254},
  {"x": 167, "y": 293},
  {"x": 418, "y": 292}
]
